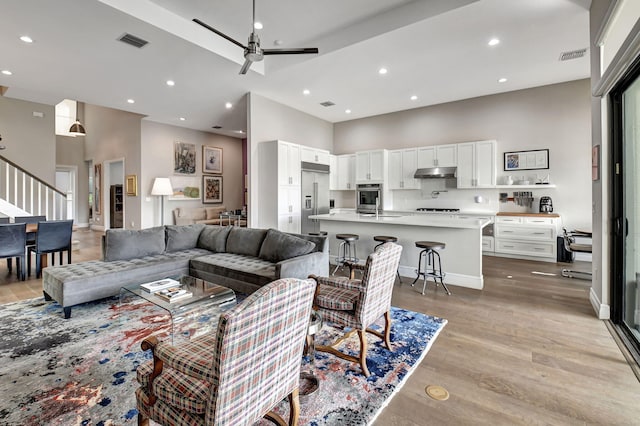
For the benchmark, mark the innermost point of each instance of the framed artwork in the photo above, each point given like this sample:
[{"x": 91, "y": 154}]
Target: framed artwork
[
  {"x": 595, "y": 163},
  {"x": 211, "y": 159},
  {"x": 131, "y": 185},
  {"x": 526, "y": 160},
  {"x": 97, "y": 193},
  {"x": 184, "y": 158},
  {"x": 212, "y": 192},
  {"x": 185, "y": 188}
]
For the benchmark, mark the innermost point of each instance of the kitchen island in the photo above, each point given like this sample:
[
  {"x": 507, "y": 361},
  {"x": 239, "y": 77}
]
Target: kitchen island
[{"x": 461, "y": 259}]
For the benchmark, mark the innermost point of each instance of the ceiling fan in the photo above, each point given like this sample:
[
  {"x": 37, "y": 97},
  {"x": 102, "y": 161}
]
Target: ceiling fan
[{"x": 252, "y": 51}]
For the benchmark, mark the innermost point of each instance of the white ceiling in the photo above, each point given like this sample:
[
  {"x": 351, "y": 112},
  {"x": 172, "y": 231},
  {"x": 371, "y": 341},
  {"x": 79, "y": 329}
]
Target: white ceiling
[{"x": 434, "y": 49}]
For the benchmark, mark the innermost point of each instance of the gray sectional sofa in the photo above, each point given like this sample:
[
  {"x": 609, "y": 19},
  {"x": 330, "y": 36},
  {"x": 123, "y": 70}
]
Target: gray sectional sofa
[{"x": 243, "y": 259}]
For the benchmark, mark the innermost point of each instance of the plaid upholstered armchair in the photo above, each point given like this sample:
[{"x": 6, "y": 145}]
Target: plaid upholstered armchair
[
  {"x": 358, "y": 303},
  {"x": 237, "y": 375}
]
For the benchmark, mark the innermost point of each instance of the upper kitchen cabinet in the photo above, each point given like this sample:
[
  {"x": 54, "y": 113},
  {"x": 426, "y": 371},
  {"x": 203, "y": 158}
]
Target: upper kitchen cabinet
[
  {"x": 345, "y": 172},
  {"x": 477, "y": 164},
  {"x": 333, "y": 172},
  {"x": 402, "y": 166},
  {"x": 288, "y": 163},
  {"x": 438, "y": 156},
  {"x": 313, "y": 155},
  {"x": 371, "y": 166}
]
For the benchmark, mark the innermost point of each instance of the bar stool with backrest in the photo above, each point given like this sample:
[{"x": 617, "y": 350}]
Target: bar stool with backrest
[
  {"x": 430, "y": 253},
  {"x": 13, "y": 237},
  {"x": 381, "y": 239},
  {"x": 344, "y": 250}
]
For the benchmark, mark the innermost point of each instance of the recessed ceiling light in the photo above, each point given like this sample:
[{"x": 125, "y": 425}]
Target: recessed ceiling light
[
  {"x": 382, "y": 71},
  {"x": 26, "y": 39},
  {"x": 347, "y": 111},
  {"x": 414, "y": 98},
  {"x": 277, "y": 42},
  {"x": 182, "y": 118},
  {"x": 6, "y": 72},
  {"x": 131, "y": 101},
  {"x": 228, "y": 105},
  {"x": 502, "y": 80},
  {"x": 171, "y": 83},
  {"x": 494, "y": 41},
  {"x": 257, "y": 25},
  {"x": 306, "y": 92}
]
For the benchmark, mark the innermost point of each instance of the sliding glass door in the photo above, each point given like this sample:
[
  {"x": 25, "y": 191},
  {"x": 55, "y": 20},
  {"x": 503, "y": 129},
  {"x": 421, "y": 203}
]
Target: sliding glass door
[{"x": 626, "y": 209}]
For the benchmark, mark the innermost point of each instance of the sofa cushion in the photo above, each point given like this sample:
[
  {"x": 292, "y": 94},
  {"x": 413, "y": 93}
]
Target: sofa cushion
[
  {"x": 278, "y": 246},
  {"x": 182, "y": 237},
  {"x": 214, "y": 238},
  {"x": 245, "y": 241},
  {"x": 246, "y": 269},
  {"x": 214, "y": 212},
  {"x": 125, "y": 244}
]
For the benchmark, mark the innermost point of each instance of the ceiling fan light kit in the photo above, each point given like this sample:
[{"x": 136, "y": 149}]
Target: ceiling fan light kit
[{"x": 252, "y": 51}]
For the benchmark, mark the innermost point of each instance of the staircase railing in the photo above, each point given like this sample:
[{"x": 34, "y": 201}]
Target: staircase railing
[{"x": 22, "y": 193}]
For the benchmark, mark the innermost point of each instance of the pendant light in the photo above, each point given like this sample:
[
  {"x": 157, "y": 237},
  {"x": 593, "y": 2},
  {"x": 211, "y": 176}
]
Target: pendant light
[{"x": 77, "y": 129}]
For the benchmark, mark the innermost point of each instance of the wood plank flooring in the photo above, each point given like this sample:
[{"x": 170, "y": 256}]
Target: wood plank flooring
[{"x": 525, "y": 350}]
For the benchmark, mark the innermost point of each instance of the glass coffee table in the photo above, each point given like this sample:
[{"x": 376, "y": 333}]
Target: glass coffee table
[{"x": 191, "y": 316}]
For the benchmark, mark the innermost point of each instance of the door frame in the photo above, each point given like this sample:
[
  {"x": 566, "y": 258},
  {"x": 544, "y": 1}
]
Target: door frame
[{"x": 73, "y": 171}]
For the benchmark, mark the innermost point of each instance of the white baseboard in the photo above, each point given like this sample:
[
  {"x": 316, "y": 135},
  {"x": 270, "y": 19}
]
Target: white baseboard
[
  {"x": 95, "y": 227},
  {"x": 602, "y": 310},
  {"x": 81, "y": 225}
]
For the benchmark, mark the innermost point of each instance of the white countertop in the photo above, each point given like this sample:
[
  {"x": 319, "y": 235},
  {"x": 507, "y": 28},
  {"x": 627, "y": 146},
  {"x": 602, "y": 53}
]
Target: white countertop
[{"x": 438, "y": 221}]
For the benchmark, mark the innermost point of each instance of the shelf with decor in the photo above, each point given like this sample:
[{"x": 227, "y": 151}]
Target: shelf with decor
[{"x": 534, "y": 186}]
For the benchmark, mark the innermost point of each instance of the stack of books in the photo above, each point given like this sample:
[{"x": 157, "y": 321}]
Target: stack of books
[
  {"x": 173, "y": 294},
  {"x": 159, "y": 285}
]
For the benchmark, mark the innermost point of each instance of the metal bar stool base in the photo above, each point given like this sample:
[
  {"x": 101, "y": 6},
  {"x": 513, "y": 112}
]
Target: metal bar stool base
[
  {"x": 434, "y": 273},
  {"x": 344, "y": 251}
]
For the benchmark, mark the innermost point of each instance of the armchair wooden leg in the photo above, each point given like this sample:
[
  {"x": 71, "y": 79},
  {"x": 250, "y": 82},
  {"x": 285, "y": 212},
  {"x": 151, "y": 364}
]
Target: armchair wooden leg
[
  {"x": 363, "y": 352},
  {"x": 361, "y": 359},
  {"x": 294, "y": 411},
  {"x": 386, "y": 337},
  {"x": 142, "y": 420}
]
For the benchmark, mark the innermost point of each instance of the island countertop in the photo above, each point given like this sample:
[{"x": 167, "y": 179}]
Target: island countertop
[{"x": 435, "y": 221}]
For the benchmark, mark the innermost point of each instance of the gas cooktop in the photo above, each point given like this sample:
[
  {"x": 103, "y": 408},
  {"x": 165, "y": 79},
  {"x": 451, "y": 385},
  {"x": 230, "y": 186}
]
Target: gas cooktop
[{"x": 431, "y": 209}]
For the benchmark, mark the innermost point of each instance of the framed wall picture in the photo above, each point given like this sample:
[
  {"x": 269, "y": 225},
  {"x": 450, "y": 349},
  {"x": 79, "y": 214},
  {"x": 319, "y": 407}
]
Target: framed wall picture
[
  {"x": 97, "y": 192},
  {"x": 131, "y": 185},
  {"x": 212, "y": 192},
  {"x": 184, "y": 158},
  {"x": 211, "y": 160},
  {"x": 185, "y": 188},
  {"x": 526, "y": 160}
]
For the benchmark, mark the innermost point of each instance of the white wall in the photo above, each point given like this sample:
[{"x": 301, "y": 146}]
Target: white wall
[{"x": 556, "y": 117}]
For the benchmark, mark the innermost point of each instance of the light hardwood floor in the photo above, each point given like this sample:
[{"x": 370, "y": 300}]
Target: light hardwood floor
[{"x": 525, "y": 350}]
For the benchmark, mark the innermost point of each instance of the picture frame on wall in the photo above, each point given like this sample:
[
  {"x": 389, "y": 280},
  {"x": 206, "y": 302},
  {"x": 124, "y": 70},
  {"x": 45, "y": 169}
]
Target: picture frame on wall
[
  {"x": 526, "y": 160},
  {"x": 185, "y": 188},
  {"x": 211, "y": 160},
  {"x": 131, "y": 185},
  {"x": 97, "y": 193},
  {"x": 184, "y": 158},
  {"x": 212, "y": 189}
]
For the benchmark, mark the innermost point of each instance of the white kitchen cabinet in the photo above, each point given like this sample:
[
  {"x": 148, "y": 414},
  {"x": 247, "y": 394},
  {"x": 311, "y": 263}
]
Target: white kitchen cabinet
[
  {"x": 476, "y": 164},
  {"x": 438, "y": 156},
  {"x": 279, "y": 186},
  {"x": 527, "y": 236},
  {"x": 371, "y": 166},
  {"x": 333, "y": 172},
  {"x": 313, "y": 155},
  {"x": 346, "y": 172},
  {"x": 402, "y": 166}
]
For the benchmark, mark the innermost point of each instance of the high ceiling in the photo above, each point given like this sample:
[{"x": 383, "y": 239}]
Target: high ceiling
[{"x": 436, "y": 50}]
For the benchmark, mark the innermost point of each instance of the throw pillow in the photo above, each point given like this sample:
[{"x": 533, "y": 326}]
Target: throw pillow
[
  {"x": 124, "y": 244},
  {"x": 198, "y": 213},
  {"x": 182, "y": 237},
  {"x": 214, "y": 238},
  {"x": 245, "y": 241},
  {"x": 214, "y": 212},
  {"x": 278, "y": 246}
]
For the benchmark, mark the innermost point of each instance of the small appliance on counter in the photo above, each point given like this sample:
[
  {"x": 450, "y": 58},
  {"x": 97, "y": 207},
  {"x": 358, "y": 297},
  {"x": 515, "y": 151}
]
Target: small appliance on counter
[{"x": 546, "y": 205}]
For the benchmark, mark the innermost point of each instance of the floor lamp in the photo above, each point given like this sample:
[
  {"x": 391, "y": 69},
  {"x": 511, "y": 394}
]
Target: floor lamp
[{"x": 162, "y": 187}]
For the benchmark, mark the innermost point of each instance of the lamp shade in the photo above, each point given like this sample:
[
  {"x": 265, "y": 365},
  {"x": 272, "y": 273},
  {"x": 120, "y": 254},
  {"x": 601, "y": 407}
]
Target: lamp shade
[
  {"x": 162, "y": 186},
  {"x": 77, "y": 129}
]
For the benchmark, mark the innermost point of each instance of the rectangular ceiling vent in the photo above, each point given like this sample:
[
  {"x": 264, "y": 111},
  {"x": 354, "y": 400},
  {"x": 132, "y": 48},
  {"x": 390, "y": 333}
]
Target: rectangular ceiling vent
[
  {"x": 133, "y": 40},
  {"x": 574, "y": 54},
  {"x": 327, "y": 103}
]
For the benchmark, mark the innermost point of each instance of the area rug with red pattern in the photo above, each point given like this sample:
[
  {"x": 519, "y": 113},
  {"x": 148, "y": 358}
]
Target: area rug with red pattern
[{"x": 81, "y": 371}]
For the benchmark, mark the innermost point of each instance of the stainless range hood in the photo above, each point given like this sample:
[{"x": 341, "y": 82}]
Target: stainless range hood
[{"x": 435, "y": 172}]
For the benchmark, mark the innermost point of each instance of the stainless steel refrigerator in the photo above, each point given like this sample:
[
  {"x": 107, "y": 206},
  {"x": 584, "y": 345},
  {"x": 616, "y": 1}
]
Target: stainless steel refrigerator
[{"x": 315, "y": 195}]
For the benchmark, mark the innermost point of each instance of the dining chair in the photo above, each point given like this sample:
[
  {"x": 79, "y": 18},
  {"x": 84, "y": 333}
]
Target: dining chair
[
  {"x": 53, "y": 236},
  {"x": 238, "y": 374},
  {"x": 31, "y": 236},
  {"x": 357, "y": 303},
  {"x": 12, "y": 244},
  {"x": 4, "y": 221}
]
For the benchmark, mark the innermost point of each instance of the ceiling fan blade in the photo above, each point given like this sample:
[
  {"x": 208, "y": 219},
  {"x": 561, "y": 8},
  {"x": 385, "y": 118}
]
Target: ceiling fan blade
[
  {"x": 223, "y": 35},
  {"x": 302, "y": 50},
  {"x": 245, "y": 66}
]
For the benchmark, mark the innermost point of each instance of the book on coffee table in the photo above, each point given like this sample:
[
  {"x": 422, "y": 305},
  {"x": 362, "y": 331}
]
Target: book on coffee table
[
  {"x": 158, "y": 285},
  {"x": 174, "y": 294}
]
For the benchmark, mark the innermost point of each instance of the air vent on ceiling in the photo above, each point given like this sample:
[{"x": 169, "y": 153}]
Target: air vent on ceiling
[
  {"x": 574, "y": 54},
  {"x": 133, "y": 40},
  {"x": 327, "y": 103},
  {"x": 217, "y": 127}
]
